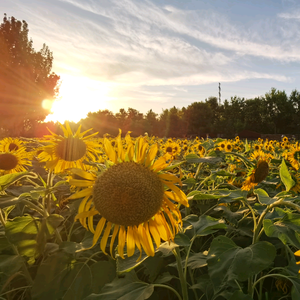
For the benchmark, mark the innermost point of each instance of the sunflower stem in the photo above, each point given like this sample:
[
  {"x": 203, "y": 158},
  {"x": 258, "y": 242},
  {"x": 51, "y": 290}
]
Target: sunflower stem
[
  {"x": 167, "y": 287},
  {"x": 48, "y": 198},
  {"x": 183, "y": 284}
]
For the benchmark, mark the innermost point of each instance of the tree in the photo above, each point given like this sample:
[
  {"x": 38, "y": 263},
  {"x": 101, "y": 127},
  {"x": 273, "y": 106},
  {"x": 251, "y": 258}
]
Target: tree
[
  {"x": 279, "y": 111},
  {"x": 25, "y": 78},
  {"x": 198, "y": 117}
]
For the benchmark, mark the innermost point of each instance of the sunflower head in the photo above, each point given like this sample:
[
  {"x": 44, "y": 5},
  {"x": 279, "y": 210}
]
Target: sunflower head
[
  {"x": 14, "y": 161},
  {"x": 69, "y": 150},
  {"x": 135, "y": 198}
]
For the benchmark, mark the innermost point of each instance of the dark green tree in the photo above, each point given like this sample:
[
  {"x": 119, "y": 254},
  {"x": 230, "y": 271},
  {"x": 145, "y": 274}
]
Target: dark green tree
[
  {"x": 279, "y": 111},
  {"x": 25, "y": 78},
  {"x": 198, "y": 118}
]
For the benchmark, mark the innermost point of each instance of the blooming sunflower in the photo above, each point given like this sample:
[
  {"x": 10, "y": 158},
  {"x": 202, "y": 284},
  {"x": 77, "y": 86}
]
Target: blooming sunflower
[
  {"x": 69, "y": 151},
  {"x": 10, "y": 144},
  {"x": 172, "y": 148},
  {"x": 134, "y": 197},
  {"x": 199, "y": 149},
  {"x": 256, "y": 175},
  {"x": 14, "y": 161}
]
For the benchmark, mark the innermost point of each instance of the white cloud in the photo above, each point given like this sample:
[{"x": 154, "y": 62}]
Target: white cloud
[{"x": 132, "y": 41}]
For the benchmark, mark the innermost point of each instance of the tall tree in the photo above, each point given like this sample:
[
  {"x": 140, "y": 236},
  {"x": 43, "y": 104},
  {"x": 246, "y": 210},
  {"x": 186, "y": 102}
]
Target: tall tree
[
  {"x": 279, "y": 111},
  {"x": 25, "y": 78}
]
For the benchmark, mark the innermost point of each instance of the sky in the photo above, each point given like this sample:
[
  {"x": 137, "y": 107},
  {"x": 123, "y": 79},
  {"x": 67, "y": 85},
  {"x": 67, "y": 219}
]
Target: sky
[{"x": 157, "y": 54}]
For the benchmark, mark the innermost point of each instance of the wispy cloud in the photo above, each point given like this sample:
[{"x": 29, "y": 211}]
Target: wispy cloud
[{"x": 132, "y": 41}]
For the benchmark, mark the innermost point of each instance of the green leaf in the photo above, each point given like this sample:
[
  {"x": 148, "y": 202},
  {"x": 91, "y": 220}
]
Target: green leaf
[
  {"x": 22, "y": 232},
  {"x": 282, "y": 231},
  {"x": 189, "y": 182},
  {"x": 227, "y": 262},
  {"x": 285, "y": 176},
  {"x": 53, "y": 221},
  {"x": 8, "y": 179},
  {"x": 239, "y": 295},
  {"x": 197, "y": 195},
  {"x": 125, "y": 288},
  {"x": 103, "y": 272},
  {"x": 59, "y": 277},
  {"x": 9, "y": 265},
  {"x": 164, "y": 277},
  {"x": 182, "y": 240},
  {"x": 263, "y": 197},
  {"x": 197, "y": 260},
  {"x": 129, "y": 263},
  {"x": 205, "y": 225}
]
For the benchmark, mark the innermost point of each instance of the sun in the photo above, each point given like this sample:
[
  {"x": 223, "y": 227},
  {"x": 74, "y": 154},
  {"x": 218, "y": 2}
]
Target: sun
[{"x": 77, "y": 97}]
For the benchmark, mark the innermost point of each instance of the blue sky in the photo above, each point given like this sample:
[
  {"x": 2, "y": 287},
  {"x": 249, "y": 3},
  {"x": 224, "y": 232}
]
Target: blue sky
[{"x": 162, "y": 53}]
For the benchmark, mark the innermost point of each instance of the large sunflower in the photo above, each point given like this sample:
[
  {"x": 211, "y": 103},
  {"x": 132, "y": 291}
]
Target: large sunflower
[
  {"x": 134, "y": 197},
  {"x": 14, "y": 161},
  {"x": 71, "y": 150}
]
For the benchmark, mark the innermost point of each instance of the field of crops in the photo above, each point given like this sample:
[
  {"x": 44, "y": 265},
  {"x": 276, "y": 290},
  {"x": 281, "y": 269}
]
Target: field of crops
[{"x": 84, "y": 217}]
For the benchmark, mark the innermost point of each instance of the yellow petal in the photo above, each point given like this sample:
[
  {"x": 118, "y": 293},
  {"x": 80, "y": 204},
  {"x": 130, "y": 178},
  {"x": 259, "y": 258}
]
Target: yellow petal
[
  {"x": 297, "y": 253},
  {"x": 144, "y": 240},
  {"x": 80, "y": 183},
  {"x": 159, "y": 164},
  {"x": 130, "y": 241},
  {"x": 98, "y": 231},
  {"x": 168, "y": 177},
  {"x": 86, "y": 214},
  {"x": 84, "y": 193},
  {"x": 105, "y": 237},
  {"x": 154, "y": 232},
  {"x": 121, "y": 241},
  {"x": 121, "y": 153},
  {"x": 137, "y": 241},
  {"x": 163, "y": 232},
  {"x": 91, "y": 224},
  {"x": 77, "y": 133},
  {"x": 151, "y": 155},
  {"x": 180, "y": 195},
  {"x": 83, "y": 174},
  {"x": 110, "y": 151},
  {"x": 116, "y": 229}
]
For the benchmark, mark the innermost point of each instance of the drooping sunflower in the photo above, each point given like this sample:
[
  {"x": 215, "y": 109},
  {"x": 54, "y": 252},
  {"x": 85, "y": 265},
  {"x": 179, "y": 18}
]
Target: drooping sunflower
[
  {"x": 135, "y": 198},
  {"x": 10, "y": 144},
  {"x": 14, "y": 161},
  {"x": 256, "y": 175},
  {"x": 70, "y": 150},
  {"x": 293, "y": 156}
]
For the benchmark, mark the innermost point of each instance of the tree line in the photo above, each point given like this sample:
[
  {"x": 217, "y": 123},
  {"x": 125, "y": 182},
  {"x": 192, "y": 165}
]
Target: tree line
[{"x": 273, "y": 113}]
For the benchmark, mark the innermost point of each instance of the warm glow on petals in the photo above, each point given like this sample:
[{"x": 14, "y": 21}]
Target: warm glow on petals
[
  {"x": 115, "y": 232},
  {"x": 105, "y": 237},
  {"x": 110, "y": 151},
  {"x": 130, "y": 241},
  {"x": 121, "y": 240},
  {"x": 154, "y": 232},
  {"x": 151, "y": 154},
  {"x": 98, "y": 231}
]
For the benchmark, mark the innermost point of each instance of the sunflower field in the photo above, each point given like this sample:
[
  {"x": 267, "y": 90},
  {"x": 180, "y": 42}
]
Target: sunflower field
[{"x": 83, "y": 217}]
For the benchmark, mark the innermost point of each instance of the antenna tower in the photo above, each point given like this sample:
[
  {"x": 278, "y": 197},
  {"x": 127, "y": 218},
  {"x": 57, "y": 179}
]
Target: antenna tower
[{"x": 219, "y": 93}]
